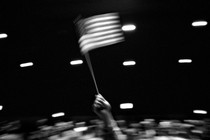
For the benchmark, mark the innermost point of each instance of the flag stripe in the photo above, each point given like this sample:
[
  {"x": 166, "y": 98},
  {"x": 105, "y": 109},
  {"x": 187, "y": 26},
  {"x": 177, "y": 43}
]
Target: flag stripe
[
  {"x": 86, "y": 42},
  {"x": 91, "y": 46},
  {"x": 97, "y": 34},
  {"x": 90, "y": 40},
  {"x": 103, "y": 28},
  {"x": 94, "y": 25},
  {"x": 101, "y": 18}
]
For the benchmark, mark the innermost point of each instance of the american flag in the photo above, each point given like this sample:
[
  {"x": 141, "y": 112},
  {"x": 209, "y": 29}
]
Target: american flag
[{"x": 99, "y": 31}]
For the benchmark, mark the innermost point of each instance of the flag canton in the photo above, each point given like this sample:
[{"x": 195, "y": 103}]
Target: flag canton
[{"x": 80, "y": 27}]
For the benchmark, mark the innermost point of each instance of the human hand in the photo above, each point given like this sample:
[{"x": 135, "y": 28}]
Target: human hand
[{"x": 101, "y": 104}]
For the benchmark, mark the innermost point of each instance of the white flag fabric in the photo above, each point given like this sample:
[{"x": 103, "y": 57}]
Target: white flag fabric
[{"x": 99, "y": 31}]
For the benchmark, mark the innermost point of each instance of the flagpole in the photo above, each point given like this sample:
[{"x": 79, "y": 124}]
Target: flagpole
[{"x": 87, "y": 57}]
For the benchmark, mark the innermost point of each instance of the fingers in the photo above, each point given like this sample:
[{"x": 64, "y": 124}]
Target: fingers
[
  {"x": 99, "y": 96},
  {"x": 96, "y": 105},
  {"x": 100, "y": 100},
  {"x": 99, "y": 103}
]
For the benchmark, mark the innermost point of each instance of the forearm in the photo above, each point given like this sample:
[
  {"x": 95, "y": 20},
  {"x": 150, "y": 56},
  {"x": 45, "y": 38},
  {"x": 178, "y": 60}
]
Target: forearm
[
  {"x": 110, "y": 124},
  {"x": 108, "y": 119},
  {"x": 103, "y": 109}
]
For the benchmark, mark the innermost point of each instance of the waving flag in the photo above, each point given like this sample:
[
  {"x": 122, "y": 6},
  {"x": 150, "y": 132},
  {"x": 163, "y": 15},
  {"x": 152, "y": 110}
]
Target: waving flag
[{"x": 99, "y": 31}]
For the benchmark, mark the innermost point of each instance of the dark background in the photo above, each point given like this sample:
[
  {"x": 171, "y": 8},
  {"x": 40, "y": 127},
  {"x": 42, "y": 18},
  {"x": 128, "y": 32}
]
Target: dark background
[{"x": 43, "y": 32}]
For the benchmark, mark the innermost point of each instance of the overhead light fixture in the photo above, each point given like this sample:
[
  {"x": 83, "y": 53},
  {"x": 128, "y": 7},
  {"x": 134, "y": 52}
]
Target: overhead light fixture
[
  {"x": 199, "y": 23},
  {"x": 126, "y": 106},
  {"x": 1, "y": 107},
  {"x": 3, "y": 35},
  {"x": 185, "y": 61},
  {"x": 76, "y": 62},
  {"x": 58, "y": 114},
  {"x": 199, "y": 111},
  {"x": 26, "y": 64},
  {"x": 129, "y": 63},
  {"x": 128, "y": 27}
]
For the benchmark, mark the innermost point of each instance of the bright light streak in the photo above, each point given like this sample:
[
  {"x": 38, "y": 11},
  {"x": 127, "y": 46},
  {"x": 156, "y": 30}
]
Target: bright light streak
[
  {"x": 126, "y": 106},
  {"x": 129, "y": 63},
  {"x": 58, "y": 114},
  {"x": 26, "y": 64},
  {"x": 3, "y": 35},
  {"x": 185, "y": 60},
  {"x": 129, "y": 27},
  {"x": 1, "y": 107},
  {"x": 197, "y": 131},
  {"x": 199, "y": 111},
  {"x": 199, "y": 23},
  {"x": 76, "y": 62},
  {"x": 80, "y": 129}
]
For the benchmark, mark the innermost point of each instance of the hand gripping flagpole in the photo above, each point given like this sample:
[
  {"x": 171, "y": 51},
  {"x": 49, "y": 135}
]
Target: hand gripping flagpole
[{"x": 87, "y": 57}]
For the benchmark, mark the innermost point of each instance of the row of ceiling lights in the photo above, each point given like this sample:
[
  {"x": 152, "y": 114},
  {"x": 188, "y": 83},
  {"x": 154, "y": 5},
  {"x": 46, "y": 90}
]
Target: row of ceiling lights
[
  {"x": 131, "y": 27},
  {"x": 128, "y": 27},
  {"x": 122, "y": 106},
  {"x": 125, "y": 63},
  {"x": 127, "y": 106}
]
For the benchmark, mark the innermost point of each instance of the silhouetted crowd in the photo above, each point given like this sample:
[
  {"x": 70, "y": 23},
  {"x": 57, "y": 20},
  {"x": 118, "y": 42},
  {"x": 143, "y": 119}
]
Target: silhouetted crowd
[
  {"x": 148, "y": 129},
  {"x": 106, "y": 128}
]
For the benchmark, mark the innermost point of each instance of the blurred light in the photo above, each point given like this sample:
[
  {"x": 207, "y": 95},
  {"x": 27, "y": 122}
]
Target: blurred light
[
  {"x": 58, "y": 114},
  {"x": 197, "y": 131},
  {"x": 199, "y": 111},
  {"x": 199, "y": 23},
  {"x": 165, "y": 124},
  {"x": 187, "y": 125},
  {"x": 129, "y": 27},
  {"x": 76, "y": 62},
  {"x": 26, "y": 64},
  {"x": 144, "y": 122},
  {"x": 1, "y": 107},
  {"x": 80, "y": 129},
  {"x": 42, "y": 121},
  {"x": 194, "y": 121},
  {"x": 126, "y": 106},
  {"x": 129, "y": 63},
  {"x": 3, "y": 35},
  {"x": 149, "y": 120},
  {"x": 80, "y": 124},
  {"x": 185, "y": 60}
]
